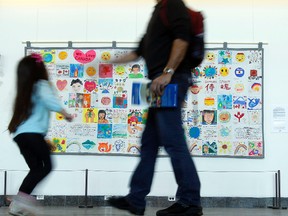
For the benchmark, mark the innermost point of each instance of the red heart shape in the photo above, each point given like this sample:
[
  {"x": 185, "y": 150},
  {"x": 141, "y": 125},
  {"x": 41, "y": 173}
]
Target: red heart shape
[
  {"x": 84, "y": 57},
  {"x": 90, "y": 85},
  {"x": 61, "y": 84}
]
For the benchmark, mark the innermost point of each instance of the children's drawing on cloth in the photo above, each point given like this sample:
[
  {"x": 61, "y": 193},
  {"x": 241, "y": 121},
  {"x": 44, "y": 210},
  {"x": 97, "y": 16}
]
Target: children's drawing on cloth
[
  {"x": 255, "y": 58},
  {"x": 120, "y": 71},
  {"x": 195, "y": 146},
  {"x": 224, "y": 101},
  {"x": 104, "y": 131},
  {"x": 225, "y": 147},
  {"x": 239, "y": 102},
  {"x": 48, "y": 56},
  {"x": 224, "y": 57},
  {"x": 83, "y": 56},
  {"x": 62, "y": 70},
  {"x": 104, "y": 146},
  {"x": 120, "y": 116},
  {"x": 120, "y": 85},
  {"x": 88, "y": 144},
  {"x": 240, "y": 148},
  {"x": 135, "y": 126},
  {"x": 119, "y": 145},
  {"x": 255, "y": 117},
  {"x": 136, "y": 71},
  {"x": 90, "y": 86},
  {"x": 134, "y": 146},
  {"x": 120, "y": 99},
  {"x": 76, "y": 85},
  {"x": 224, "y": 131},
  {"x": 76, "y": 70},
  {"x": 239, "y": 116},
  {"x": 209, "y": 148},
  {"x": 119, "y": 131},
  {"x": 254, "y": 103},
  {"x": 62, "y": 56},
  {"x": 58, "y": 144},
  {"x": 105, "y": 86},
  {"x": 255, "y": 148},
  {"x": 73, "y": 145},
  {"x": 194, "y": 132},
  {"x": 105, "y": 70},
  {"x": 90, "y": 115},
  {"x": 224, "y": 116}
]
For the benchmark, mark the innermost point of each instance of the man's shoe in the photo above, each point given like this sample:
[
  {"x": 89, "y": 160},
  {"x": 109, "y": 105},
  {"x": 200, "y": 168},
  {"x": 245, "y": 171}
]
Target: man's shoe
[
  {"x": 180, "y": 210},
  {"x": 123, "y": 204}
]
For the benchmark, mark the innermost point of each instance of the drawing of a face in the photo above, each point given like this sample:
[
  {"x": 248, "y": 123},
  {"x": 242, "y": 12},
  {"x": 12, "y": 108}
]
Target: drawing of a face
[
  {"x": 101, "y": 115},
  {"x": 106, "y": 56},
  {"x": 208, "y": 117},
  {"x": 105, "y": 100},
  {"x": 239, "y": 87},
  {"x": 240, "y": 57},
  {"x": 91, "y": 71},
  {"x": 195, "y": 89},
  {"x": 224, "y": 117},
  {"x": 210, "y": 56},
  {"x": 120, "y": 70},
  {"x": 239, "y": 72},
  {"x": 135, "y": 69},
  {"x": 224, "y": 71},
  {"x": 76, "y": 87},
  {"x": 62, "y": 55}
]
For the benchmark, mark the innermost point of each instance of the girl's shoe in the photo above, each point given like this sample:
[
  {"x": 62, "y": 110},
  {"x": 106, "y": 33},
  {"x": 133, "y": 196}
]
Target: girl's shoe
[{"x": 17, "y": 208}]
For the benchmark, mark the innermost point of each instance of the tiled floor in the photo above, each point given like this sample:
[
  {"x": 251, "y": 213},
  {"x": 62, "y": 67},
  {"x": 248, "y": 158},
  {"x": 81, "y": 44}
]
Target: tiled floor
[{"x": 109, "y": 211}]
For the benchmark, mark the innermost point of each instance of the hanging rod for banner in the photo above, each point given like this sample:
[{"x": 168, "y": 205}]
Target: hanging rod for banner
[
  {"x": 132, "y": 42},
  {"x": 237, "y": 43},
  {"x": 78, "y": 42}
]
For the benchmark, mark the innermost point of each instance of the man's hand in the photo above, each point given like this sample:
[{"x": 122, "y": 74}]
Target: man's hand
[
  {"x": 158, "y": 84},
  {"x": 178, "y": 51},
  {"x": 132, "y": 56}
]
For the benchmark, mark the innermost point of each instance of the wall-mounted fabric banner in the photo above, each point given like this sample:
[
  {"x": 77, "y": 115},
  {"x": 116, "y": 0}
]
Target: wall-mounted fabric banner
[{"x": 222, "y": 114}]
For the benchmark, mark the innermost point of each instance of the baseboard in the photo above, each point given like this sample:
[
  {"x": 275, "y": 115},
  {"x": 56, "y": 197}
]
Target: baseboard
[{"x": 152, "y": 201}]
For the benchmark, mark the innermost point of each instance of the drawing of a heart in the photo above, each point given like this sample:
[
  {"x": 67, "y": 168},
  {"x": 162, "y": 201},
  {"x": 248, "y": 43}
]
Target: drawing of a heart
[
  {"x": 84, "y": 58},
  {"x": 90, "y": 85},
  {"x": 61, "y": 84}
]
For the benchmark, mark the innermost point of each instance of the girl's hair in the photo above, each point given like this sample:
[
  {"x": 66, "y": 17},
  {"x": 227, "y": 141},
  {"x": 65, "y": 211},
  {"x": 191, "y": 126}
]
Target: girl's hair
[
  {"x": 76, "y": 81},
  {"x": 102, "y": 111},
  {"x": 30, "y": 69}
]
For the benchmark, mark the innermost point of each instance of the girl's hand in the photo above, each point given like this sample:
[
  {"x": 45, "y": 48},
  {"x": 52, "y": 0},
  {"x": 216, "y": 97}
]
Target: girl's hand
[{"x": 69, "y": 117}]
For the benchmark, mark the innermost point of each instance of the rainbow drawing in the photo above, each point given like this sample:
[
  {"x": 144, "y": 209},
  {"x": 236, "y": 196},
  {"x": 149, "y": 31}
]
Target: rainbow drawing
[
  {"x": 193, "y": 146},
  {"x": 239, "y": 147},
  {"x": 256, "y": 87}
]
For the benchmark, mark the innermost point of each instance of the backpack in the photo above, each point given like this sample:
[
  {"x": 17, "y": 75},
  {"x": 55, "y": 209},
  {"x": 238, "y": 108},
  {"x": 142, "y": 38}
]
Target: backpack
[{"x": 196, "y": 48}]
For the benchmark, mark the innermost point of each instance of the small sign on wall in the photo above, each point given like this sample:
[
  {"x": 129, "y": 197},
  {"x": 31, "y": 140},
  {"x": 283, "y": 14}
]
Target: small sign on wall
[{"x": 279, "y": 118}]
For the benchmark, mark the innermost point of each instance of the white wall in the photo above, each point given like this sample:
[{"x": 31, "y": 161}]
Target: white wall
[{"x": 249, "y": 21}]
